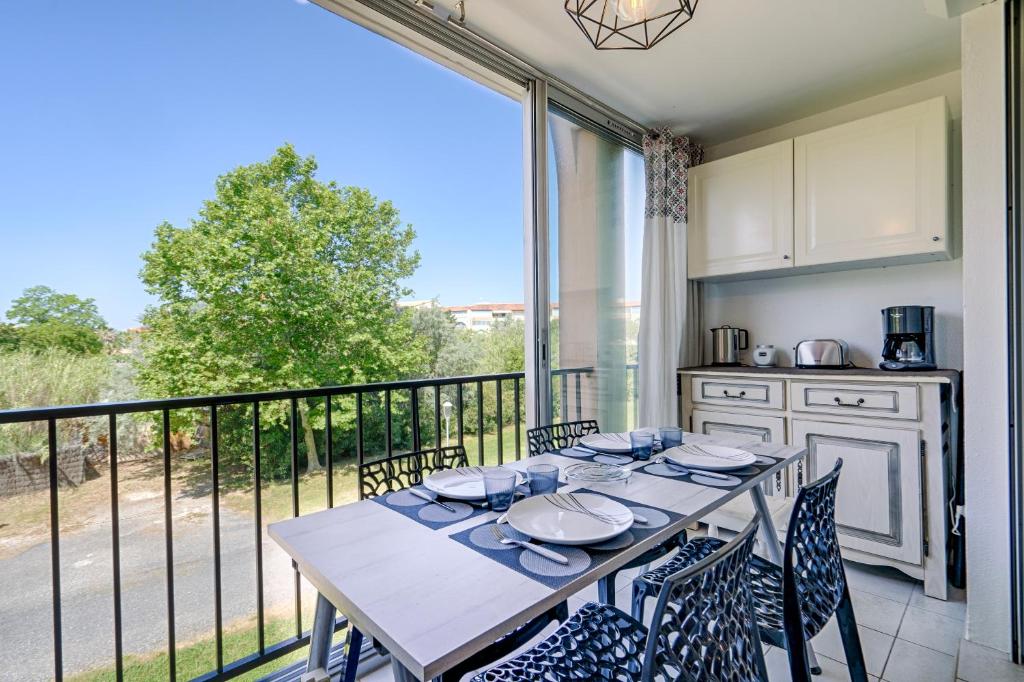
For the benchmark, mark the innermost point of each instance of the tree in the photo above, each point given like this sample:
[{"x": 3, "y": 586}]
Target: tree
[
  {"x": 45, "y": 318},
  {"x": 282, "y": 281},
  {"x": 9, "y": 337}
]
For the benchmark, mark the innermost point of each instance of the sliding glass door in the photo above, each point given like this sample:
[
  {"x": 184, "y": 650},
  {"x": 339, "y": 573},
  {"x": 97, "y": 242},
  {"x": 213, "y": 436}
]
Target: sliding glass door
[{"x": 595, "y": 223}]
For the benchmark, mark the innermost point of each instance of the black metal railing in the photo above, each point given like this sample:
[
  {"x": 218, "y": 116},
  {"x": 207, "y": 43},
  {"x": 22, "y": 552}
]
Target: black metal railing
[{"x": 468, "y": 392}]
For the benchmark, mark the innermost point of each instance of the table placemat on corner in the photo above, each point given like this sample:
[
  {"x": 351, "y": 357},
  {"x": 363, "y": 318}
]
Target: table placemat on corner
[
  {"x": 581, "y": 558},
  {"x": 735, "y": 477}
]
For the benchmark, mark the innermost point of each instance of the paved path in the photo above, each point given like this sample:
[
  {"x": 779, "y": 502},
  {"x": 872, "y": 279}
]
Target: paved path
[{"x": 25, "y": 604}]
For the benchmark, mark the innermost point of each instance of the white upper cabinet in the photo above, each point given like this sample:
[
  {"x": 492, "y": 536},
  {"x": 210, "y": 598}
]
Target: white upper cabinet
[
  {"x": 741, "y": 213},
  {"x": 874, "y": 189}
]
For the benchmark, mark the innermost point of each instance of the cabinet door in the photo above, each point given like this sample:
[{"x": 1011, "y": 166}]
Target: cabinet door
[
  {"x": 741, "y": 213},
  {"x": 874, "y": 188},
  {"x": 878, "y": 503},
  {"x": 729, "y": 426}
]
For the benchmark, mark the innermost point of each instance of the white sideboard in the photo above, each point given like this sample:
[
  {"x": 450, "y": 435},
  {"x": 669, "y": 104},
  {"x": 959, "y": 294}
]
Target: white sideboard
[
  {"x": 866, "y": 193},
  {"x": 896, "y": 434}
]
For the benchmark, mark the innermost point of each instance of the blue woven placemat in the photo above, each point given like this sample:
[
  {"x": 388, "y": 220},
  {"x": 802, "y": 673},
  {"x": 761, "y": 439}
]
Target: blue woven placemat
[
  {"x": 432, "y": 515},
  {"x": 736, "y": 477},
  {"x": 481, "y": 539}
]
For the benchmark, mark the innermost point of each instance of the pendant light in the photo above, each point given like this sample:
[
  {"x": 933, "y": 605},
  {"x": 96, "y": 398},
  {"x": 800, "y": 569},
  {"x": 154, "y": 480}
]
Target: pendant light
[{"x": 629, "y": 24}]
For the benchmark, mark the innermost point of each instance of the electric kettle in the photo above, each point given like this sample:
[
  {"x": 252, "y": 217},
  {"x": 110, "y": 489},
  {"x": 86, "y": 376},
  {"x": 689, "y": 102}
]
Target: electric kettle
[{"x": 726, "y": 344}]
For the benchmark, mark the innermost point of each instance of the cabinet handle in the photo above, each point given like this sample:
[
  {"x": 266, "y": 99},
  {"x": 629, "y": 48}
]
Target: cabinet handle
[
  {"x": 785, "y": 257},
  {"x": 935, "y": 239},
  {"x": 840, "y": 403},
  {"x": 741, "y": 396}
]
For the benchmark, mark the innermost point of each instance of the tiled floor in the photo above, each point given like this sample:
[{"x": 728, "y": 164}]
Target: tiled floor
[{"x": 906, "y": 636}]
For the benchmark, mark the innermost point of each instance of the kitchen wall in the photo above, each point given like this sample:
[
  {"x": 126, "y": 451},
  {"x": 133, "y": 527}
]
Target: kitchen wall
[{"x": 846, "y": 305}]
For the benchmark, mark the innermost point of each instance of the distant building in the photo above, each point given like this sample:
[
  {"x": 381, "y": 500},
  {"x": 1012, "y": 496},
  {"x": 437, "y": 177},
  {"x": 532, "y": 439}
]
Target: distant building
[{"x": 483, "y": 316}]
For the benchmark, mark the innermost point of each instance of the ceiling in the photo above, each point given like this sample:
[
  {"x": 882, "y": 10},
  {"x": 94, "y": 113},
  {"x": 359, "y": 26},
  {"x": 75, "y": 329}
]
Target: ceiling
[{"x": 740, "y": 65}]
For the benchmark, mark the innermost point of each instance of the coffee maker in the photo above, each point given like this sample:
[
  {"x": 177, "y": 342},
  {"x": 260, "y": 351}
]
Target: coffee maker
[{"x": 909, "y": 333}]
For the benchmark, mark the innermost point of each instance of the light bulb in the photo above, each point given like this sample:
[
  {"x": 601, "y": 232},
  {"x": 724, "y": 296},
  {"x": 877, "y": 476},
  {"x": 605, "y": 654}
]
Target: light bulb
[{"x": 633, "y": 11}]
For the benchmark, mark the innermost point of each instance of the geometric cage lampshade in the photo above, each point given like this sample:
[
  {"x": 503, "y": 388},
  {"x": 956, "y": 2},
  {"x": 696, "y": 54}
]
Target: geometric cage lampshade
[{"x": 629, "y": 24}]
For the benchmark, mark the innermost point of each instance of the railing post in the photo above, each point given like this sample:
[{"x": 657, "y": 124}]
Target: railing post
[
  {"x": 500, "y": 422},
  {"x": 257, "y": 487},
  {"x": 416, "y": 445},
  {"x": 480, "y": 421},
  {"x": 172, "y": 648},
  {"x": 58, "y": 642},
  {"x": 329, "y": 451},
  {"x": 459, "y": 417},
  {"x": 115, "y": 539},
  {"x": 294, "y": 432},
  {"x": 515, "y": 398},
  {"x": 215, "y": 483}
]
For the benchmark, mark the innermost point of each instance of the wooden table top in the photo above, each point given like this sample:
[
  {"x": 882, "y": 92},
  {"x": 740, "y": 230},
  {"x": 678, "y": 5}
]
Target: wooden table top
[{"x": 433, "y": 601}]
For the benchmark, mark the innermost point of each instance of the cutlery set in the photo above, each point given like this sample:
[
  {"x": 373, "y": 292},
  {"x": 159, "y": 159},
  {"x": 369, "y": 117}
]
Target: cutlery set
[{"x": 690, "y": 470}]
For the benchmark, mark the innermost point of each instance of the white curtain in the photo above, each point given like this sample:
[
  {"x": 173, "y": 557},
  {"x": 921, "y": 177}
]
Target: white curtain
[{"x": 670, "y": 324}]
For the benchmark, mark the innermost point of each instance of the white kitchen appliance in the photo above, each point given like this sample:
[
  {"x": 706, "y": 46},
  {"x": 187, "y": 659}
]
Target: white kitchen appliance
[{"x": 764, "y": 355}]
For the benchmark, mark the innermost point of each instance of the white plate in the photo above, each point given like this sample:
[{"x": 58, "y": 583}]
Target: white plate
[
  {"x": 570, "y": 518},
  {"x": 463, "y": 483},
  {"x": 710, "y": 457},
  {"x": 615, "y": 443}
]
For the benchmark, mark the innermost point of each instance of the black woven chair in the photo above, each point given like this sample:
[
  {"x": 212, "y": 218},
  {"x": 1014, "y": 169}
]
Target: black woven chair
[
  {"x": 704, "y": 630},
  {"x": 408, "y": 469},
  {"x": 793, "y": 602},
  {"x": 558, "y": 436}
]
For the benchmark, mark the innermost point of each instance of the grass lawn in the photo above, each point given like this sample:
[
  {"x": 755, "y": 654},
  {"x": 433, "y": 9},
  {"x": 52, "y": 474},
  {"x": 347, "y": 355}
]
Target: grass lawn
[{"x": 196, "y": 658}]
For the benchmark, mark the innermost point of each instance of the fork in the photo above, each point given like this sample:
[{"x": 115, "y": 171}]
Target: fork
[{"x": 500, "y": 536}]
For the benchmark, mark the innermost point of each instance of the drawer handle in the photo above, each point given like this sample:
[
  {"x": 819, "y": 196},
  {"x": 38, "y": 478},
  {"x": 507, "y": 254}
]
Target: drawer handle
[
  {"x": 840, "y": 403},
  {"x": 741, "y": 396}
]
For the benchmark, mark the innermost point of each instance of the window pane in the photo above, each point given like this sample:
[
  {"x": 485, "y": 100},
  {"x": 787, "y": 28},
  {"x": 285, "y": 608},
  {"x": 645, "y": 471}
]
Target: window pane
[{"x": 596, "y": 223}]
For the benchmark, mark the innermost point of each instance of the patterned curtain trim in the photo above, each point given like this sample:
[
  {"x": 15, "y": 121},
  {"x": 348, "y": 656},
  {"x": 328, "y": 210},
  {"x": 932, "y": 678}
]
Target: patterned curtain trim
[{"x": 666, "y": 160}]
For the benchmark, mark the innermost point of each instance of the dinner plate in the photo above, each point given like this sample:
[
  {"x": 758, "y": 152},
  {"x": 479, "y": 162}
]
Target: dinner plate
[
  {"x": 463, "y": 483},
  {"x": 614, "y": 443},
  {"x": 570, "y": 518},
  {"x": 710, "y": 457}
]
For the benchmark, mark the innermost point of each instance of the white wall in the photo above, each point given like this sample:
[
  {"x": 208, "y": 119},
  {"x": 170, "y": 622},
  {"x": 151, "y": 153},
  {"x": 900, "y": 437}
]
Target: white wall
[
  {"x": 843, "y": 305},
  {"x": 985, "y": 360},
  {"x": 847, "y": 305}
]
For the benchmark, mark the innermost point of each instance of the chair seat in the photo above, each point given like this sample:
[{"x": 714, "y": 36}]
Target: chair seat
[
  {"x": 598, "y": 642},
  {"x": 766, "y": 584}
]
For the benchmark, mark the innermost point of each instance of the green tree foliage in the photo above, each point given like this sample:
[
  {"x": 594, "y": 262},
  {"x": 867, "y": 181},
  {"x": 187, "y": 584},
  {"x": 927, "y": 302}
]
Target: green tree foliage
[
  {"x": 42, "y": 379},
  {"x": 9, "y": 337},
  {"x": 44, "y": 318},
  {"x": 281, "y": 281}
]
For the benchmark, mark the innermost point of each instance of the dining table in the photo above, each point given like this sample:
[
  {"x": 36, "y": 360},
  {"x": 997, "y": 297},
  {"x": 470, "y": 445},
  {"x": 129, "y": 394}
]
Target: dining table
[{"x": 424, "y": 591}]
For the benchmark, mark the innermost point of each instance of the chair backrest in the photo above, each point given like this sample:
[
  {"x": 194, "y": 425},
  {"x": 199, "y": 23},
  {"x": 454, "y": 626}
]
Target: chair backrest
[
  {"x": 812, "y": 570},
  {"x": 704, "y": 628},
  {"x": 407, "y": 469},
  {"x": 557, "y": 436}
]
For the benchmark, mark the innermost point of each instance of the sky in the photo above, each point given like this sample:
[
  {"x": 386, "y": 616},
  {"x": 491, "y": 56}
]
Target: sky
[{"x": 118, "y": 115}]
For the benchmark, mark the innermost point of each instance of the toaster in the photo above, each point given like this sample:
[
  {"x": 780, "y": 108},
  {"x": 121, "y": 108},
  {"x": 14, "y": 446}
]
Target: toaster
[{"x": 822, "y": 354}]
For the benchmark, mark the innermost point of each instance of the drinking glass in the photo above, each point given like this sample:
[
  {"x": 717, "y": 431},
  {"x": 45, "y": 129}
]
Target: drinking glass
[
  {"x": 543, "y": 478},
  {"x": 670, "y": 436},
  {"x": 643, "y": 444},
  {"x": 500, "y": 487}
]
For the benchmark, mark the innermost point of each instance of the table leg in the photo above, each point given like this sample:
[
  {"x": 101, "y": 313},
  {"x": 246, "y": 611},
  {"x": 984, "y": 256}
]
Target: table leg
[
  {"x": 774, "y": 547},
  {"x": 401, "y": 673},
  {"x": 321, "y": 635}
]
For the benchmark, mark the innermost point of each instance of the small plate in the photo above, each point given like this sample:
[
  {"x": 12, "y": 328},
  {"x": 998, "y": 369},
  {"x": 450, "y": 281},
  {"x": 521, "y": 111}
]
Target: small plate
[
  {"x": 463, "y": 483},
  {"x": 595, "y": 472},
  {"x": 710, "y": 457},
  {"x": 570, "y": 518}
]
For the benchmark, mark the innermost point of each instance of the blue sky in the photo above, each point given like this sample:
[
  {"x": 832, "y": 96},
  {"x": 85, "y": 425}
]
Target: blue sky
[{"x": 120, "y": 114}]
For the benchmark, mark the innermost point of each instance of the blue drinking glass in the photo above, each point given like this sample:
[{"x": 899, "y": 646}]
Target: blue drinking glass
[
  {"x": 642, "y": 443},
  {"x": 670, "y": 436},
  {"x": 500, "y": 488},
  {"x": 543, "y": 478}
]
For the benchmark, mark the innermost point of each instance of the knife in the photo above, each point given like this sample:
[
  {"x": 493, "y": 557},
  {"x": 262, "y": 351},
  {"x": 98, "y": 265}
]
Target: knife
[
  {"x": 690, "y": 470},
  {"x": 423, "y": 496}
]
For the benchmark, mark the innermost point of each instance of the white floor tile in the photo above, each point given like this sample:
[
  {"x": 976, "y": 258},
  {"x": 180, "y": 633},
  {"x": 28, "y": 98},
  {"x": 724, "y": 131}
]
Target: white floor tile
[
  {"x": 877, "y": 613},
  {"x": 777, "y": 663},
  {"x": 981, "y": 664},
  {"x": 955, "y": 607},
  {"x": 909, "y": 662},
  {"x": 874, "y": 644},
  {"x": 880, "y": 580},
  {"x": 931, "y": 630}
]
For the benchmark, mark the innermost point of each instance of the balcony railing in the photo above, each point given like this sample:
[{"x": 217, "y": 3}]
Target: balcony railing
[{"x": 410, "y": 414}]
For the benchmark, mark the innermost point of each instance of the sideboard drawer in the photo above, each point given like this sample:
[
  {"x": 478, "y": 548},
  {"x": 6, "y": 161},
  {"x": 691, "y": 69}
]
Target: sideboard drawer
[
  {"x": 738, "y": 391},
  {"x": 859, "y": 400}
]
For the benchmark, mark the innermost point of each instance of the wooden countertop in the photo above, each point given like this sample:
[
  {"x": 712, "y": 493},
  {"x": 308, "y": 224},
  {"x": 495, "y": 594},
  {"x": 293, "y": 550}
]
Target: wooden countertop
[{"x": 944, "y": 376}]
